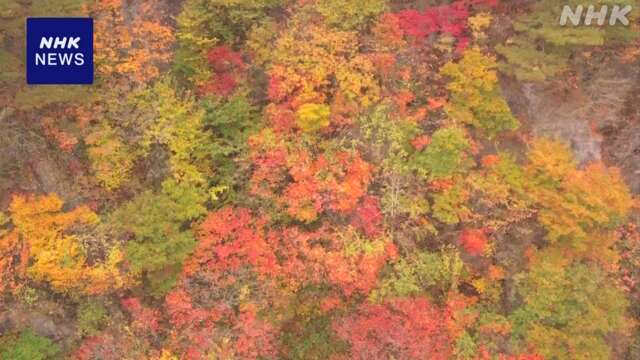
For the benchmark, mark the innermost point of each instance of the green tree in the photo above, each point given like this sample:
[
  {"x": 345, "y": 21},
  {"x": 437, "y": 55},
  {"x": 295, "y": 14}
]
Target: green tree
[
  {"x": 27, "y": 346},
  {"x": 421, "y": 273},
  {"x": 350, "y": 14},
  {"x": 176, "y": 122},
  {"x": 313, "y": 117},
  {"x": 445, "y": 156},
  {"x": 568, "y": 311},
  {"x": 386, "y": 141},
  {"x": 202, "y": 24},
  {"x": 476, "y": 98},
  {"x": 542, "y": 47},
  {"x": 111, "y": 159},
  {"x": 309, "y": 334},
  {"x": 449, "y": 206},
  {"x": 92, "y": 317},
  {"x": 230, "y": 123},
  {"x": 135, "y": 125},
  {"x": 156, "y": 225}
]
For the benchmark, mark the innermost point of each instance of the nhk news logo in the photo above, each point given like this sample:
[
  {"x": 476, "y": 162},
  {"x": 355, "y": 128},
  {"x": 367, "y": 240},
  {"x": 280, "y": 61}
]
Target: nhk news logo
[{"x": 59, "y": 51}]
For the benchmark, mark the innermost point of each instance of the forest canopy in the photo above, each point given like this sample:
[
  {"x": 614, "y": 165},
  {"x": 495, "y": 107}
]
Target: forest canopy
[{"x": 320, "y": 179}]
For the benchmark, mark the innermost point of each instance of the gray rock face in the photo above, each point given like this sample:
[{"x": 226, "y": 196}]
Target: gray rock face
[
  {"x": 593, "y": 119},
  {"x": 29, "y": 164},
  {"x": 576, "y": 117},
  {"x": 566, "y": 120}
]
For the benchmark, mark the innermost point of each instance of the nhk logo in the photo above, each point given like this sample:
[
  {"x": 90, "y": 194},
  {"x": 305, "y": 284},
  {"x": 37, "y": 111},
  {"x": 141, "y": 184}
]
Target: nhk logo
[
  {"x": 53, "y": 58},
  {"x": 59, "y": 51},
  {"x": 592, "y": 16}
]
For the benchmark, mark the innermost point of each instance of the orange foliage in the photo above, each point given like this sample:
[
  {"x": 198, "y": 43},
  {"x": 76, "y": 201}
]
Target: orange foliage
[
  {"x": 255, "y": 338},
  {"x": 388, "y": 33},
  {"x": 65, "y": 141},
  {"x": 230, "y": 239},
  {"x": 421, "y": 142},
  {"x": 402, "y": 100},
  {"x": 490, "y": 160},
  {"x": 270, "y": 165},
  {"x": 100, "y": 347},
  {"x": 180, "y": 310},
  {"x": 57, "y": 256},
  {"x": 193, "y": 328},
  {"x": 384, "y": 63},
  {"x": 133, "y": 48},
  {"x": 281, "y": 118},
  {"x": 145, "y": 319},
  {"x": 436, "y": 103},
  {"x": 349, "y": 181},
  {"x": 13, "y": 261},
  {"x": 327, "y": 183},
  {"x": 302, "y": 256},
  {"x": 302, "y": 197},
  {"x": 357, "y": 273},
  {"x": 217, "y": 330}
]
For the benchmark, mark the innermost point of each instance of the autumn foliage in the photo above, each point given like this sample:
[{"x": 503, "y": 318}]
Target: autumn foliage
[
  {"x": 134, "y": 47},
  {"x": 226, "y": 65},
  {"x": 398, "y": 328},
  {"x": 229, "y": 240},
  {"x": 57, "y": 256},
  {"x": 474, "y": 241},
  {"x": 318, "y": 179}
]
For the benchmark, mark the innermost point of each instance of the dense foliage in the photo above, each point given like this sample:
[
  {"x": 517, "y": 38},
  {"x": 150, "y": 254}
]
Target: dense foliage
[{"x": 318, "y": 179}]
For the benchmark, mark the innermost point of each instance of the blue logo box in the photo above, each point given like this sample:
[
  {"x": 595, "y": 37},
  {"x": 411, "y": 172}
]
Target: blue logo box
[{"x": 59, "y": 51}]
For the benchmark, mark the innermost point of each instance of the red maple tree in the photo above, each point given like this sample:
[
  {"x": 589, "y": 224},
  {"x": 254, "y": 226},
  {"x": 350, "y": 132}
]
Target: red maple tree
[
  {"x": 403, "y": 328},
  {"x": 227, "y": 66}
]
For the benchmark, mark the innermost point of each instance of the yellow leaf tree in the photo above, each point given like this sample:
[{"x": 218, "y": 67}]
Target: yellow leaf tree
[{"x": 56, "y": 253}]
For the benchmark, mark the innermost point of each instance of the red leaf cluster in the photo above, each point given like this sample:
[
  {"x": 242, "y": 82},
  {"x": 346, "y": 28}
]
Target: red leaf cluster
[
  {"x": 281, "y": 117},
  {"x": 145, "y": 319},
  {"x": 303, "y": 196},
  {"x": 404, "y": 328},
  {"x": 223, "y": 59},
  {"x": 14, "y": 258},
  {"x": 193, "y": 327},
  {"x": 275, "y": 90},
  {"x": 99, "y": 347},
  {"x": 181, "y": 311},
  {"x": 321, "y": 256},
  {"x": 230, "y": 239},
  {"x": 269, "y": 166},
  {"x": 444, "y": 19},
  {"x": 255, "y": 338},
  {"x": 450, "y": 19},
  {"x": 421, "y": 142},
  {"x": 336, "y": 183},
  {"x": 490, "y": 160},
  {"x": 227, "y": 65},
  {"x": 474, "y": 241},
  {"x": 197, "y": 329},
  {"x": 367, "y": 217},
  {"x": 358, "y": 273}
]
